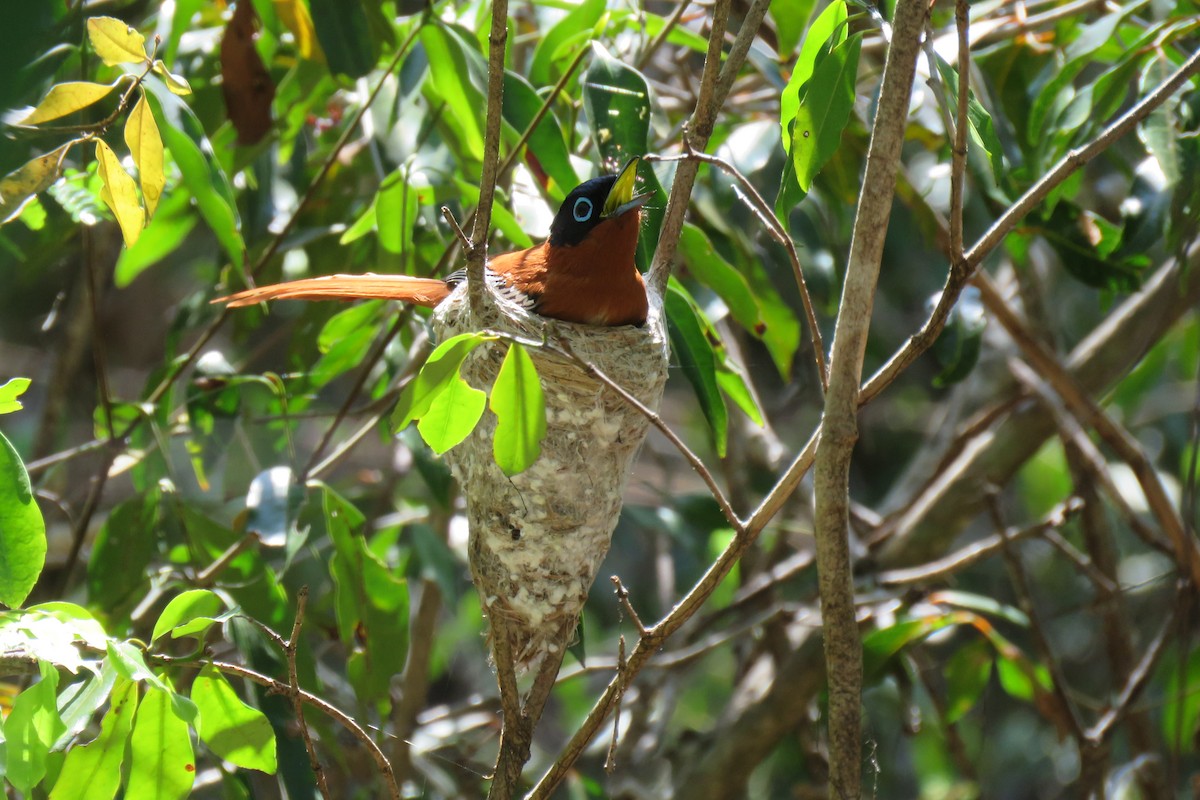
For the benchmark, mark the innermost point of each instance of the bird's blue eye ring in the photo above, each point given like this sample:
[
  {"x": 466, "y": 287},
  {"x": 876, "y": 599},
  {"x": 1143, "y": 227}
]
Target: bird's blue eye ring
[{"x": 582, "y": 210}]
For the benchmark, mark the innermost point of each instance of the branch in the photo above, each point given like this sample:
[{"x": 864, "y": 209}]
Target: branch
[
  {"x": 477, "y": 255},
  {"x": 839, "y": 426},
  {"x": 294, "y": 692}
]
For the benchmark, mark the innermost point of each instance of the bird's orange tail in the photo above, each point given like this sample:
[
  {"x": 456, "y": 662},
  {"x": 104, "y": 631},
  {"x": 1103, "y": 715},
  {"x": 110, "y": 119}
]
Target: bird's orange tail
[{"x": 420, "y": 291}]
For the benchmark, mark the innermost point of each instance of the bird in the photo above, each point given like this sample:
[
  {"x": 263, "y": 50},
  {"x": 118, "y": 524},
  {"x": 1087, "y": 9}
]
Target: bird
[{"x": 583, "y": 273}]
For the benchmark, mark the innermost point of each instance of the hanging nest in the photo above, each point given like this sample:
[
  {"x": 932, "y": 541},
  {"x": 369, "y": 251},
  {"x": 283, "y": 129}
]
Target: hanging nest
[{"x": 537, "y": 538}]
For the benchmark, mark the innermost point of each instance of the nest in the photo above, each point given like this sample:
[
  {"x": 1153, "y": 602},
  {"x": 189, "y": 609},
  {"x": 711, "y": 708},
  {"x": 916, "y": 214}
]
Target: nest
[{"x": 537, "y": 538}]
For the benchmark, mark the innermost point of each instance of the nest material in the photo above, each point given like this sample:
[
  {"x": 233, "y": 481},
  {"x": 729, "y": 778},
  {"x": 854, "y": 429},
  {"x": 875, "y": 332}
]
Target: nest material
[{"x": 537, "y": 538}]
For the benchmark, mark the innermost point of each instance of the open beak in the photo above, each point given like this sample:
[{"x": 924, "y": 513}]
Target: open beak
[{"x": 621, "y": 197}]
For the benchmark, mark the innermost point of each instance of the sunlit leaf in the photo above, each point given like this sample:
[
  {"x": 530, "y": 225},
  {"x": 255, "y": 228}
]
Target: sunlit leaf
[
  {"x": 789, "y": 17},
  {"x": 67, "y": 98},
  {"x": 236, "y": 732},
  {"x": 546, "y": 152},
  {"x": 825, "y": 110},
  {"x": 440, "y": 369},
  {"x": 27, "y": 180},
  {"x": 93, "y": 771},
  {"x": 10, "y": 391},
  {"x": 452, "y": 414},
  {"x": 176, "y": 84},
  {"x": 294, "y": 15},
  {"x": 579, "y": 21},
  {"x": 162, "y": 764},
  {"x": 519, "y": 404},
  {"x": 449, "y": 83},
  {"x": 396, "y": 207},
  {"x": 22, "y": 529},
  {"x": 827, "y": 31},
  {"x": 120, "y": 193},
  {"x": 30, "y": 728},
  {"x": 146, "y": 147},
  {"x": 184, "y": 608},
  {"x": 162, "y": 236},
  {"x": 115, "y": 42}
]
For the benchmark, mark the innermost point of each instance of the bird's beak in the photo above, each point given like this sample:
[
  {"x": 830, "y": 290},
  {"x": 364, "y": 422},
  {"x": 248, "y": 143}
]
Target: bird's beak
[{"x": 621, "y": 197}]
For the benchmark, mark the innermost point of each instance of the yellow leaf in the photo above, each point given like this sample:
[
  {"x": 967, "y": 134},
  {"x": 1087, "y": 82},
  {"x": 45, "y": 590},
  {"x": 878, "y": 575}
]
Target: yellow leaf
[
  {"x": 19, "y": 185},
  {"x": 115, "y": 42},
  {"x": 67, "y": 98},
  {"x": 176, "y": 83},
  {"x": 294, "y": 14},
  {"x": 146, "y": 147},
  {"x": 120, "y": 193}
]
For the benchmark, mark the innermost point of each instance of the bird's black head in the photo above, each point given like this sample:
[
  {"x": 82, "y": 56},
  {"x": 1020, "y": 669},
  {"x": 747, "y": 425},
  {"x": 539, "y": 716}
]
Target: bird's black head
[{"x": 592, "y": 202}]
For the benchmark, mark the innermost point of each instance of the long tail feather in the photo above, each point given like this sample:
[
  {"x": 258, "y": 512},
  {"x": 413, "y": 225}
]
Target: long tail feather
[{"x": 421, "y": 291}]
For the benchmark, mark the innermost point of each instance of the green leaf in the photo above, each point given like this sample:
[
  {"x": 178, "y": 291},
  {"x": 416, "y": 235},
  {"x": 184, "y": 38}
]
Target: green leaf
[
  {"x": 78, "y": 702},
  {"x": 203, "y": 178},
  {"x": 93, "y": 771},
  {"x": 546, "y": 150},
  {"x": 694, "y": 352},
  {"x": 967, "y": 673},
  {"x": 452, "y": 415},
  {"x": 162, "y": 236},
  {"x": 449, "y": 82},
  {"x": 371, "y": 604},
  {"x": 502, "y": 218},
  {"x": 396, "y": 206},
  {"x": 825, "y": 110},
  {"x": 439, "y": 370},
  {"x": 236, "y": 732},
  {"x": 32, "y": 726},
  {"x": 1160, "y": 131},
  {"x": 520, "y": 407},
  {"x": 162, "y": 765},
  {"x": 185, "y": 608},
  {"x": 958, "y": 347},
  {"x": 344, "y": 34},
  {"x": 789, "y": 17},
  {"x": 733, "y": 383},
  {"x": 827, "y": 31},
  {"x": 708, "y": 267},
  {"x": 22, "y": 529},
  {"x": 131, "y": 665},
  {"x": 121, "y": 555},
  {"x": 10, "y": 391},
  {"x": 618, "y": 103},
  {"x": 981, "y": 131},
  {"x": 580, "y": 21}
]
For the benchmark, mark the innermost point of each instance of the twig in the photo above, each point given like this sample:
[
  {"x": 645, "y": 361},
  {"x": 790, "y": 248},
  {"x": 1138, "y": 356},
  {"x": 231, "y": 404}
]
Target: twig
[
  {"x": 279, "y": 687},
  {"x": 207, "y": 576},
  {"x": 977, "y": 551},
  {"x": 563, "y": 348},
  {"x": 294, "y": 693},
  {"x": 448, "y": 215},
  {"x": 759, "y": 206},
  {"x": 958, "y": 155},
  {"x": 610, "y": 761},
  {"x": 623, "y": 598},
  {"x": 1065, "y": 712},
  {"x": 657, "y": 42},
  {"x": 839, "y": 426}
]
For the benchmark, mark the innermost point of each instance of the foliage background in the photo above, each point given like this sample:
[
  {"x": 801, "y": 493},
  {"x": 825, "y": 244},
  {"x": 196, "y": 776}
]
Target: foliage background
[{"x": 991, "y": 678}]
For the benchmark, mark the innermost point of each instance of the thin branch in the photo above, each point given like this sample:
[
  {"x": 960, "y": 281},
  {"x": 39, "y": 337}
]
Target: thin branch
[
  {"x": 279, "y": 687},
  {"x": 477, "y": 254},
  {"x": 294, "y": 692},
  {"x": 1187, "y": 554},
  {"x": 958, "y": 155},
  {"x": 623, "y": 598},
  {"x": 610, "y": 760},
  {"x": 759, "y": 206},
  {"x": 977, "y": 551},
  {"x": 919, "y": 342},
  {"x": 454, "y": 226}
]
